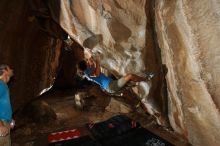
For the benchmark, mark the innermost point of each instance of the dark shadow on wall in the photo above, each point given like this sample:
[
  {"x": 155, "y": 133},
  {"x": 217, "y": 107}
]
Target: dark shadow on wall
[
  {"x": 70, "y": 56},
  {"x": 47, "y": 14},
  {"x": 45, "y": 11},
  {"x": 154, "y": 63},
  {"x": 30, "y": 42},
  {"x": 92, "y": 41}
]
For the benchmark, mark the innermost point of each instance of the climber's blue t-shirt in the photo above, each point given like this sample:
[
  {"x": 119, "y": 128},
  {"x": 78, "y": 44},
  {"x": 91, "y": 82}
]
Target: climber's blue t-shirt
[
  {"x": 101, "y": 80},
  {"x": 5, "y": 103}
]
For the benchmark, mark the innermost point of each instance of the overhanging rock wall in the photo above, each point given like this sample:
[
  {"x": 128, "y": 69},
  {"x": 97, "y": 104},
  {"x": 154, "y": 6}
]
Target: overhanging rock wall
[
  {"x": 28, "y": 49},
  {"x": 120, "y": 33},
  {"x": 188, "y": 33}
]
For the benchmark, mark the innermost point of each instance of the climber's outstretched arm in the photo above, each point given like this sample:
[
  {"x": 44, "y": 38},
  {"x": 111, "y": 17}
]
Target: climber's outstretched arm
[
  {"x": 97, "y": 70},
  {"x": 98, "y": 67}
]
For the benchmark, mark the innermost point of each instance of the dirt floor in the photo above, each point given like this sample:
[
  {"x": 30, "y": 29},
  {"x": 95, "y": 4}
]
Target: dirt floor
[{"x": 32, "y": 131}]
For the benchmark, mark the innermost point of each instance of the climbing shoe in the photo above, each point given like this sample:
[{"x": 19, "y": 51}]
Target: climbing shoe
[{"x": 149, "y": 75}]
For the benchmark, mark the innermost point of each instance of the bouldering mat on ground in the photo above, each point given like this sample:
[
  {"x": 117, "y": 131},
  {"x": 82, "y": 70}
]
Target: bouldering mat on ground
[
  {"x": 136, "y": 137},
  {"x": 112, "y": 127},
  {"x": 123, "y": 131},
  {"x": 63, "y": 135},
  {"x": 81, "y": 141},
  {"x": 116, "y": 131}
]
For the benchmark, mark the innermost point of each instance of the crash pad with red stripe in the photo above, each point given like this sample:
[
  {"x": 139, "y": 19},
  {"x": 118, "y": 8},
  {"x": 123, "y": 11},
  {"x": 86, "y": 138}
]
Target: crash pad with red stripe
[{"x": 63, "y": 135}]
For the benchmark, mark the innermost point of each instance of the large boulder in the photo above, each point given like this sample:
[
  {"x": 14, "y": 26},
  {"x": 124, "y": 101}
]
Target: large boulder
[
  {"x": 188, "y": 34},
  {"x": 29, "y": 49},
  {"x": 40, "y": 112},
  {"x": 130, "y": 37},
  {"x": 120, "y": 33}
]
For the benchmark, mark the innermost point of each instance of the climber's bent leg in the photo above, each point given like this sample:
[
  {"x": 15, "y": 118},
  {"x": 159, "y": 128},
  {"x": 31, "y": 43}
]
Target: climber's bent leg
[
  {"x": 135, "y": 78},
  {"x": 116, "y": 85}
]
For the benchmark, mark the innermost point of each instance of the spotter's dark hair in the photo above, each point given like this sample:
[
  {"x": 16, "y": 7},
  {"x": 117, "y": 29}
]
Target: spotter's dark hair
[{"x": 2, "y": 68}]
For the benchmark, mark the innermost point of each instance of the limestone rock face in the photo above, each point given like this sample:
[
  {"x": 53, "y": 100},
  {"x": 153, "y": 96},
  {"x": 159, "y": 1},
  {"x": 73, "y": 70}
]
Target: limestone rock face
[{"x": 188, "y": 34}]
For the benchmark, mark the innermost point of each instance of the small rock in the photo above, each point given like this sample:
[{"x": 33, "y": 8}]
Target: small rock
[{"x": 40, "y": 112}]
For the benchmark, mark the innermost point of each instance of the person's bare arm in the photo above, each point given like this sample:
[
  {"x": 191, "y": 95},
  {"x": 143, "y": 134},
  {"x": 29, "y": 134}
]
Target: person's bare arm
[
  {"x": 1, "y": 123},
  {"x": 97, "y": 68},
  {"x": 4, "y": 130},
  {"x": 90, "y": 62}
]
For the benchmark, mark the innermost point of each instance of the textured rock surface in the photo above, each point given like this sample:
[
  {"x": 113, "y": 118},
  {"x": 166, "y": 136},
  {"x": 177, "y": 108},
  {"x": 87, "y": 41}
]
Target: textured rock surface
[
  {"x": 188, "y": 33},
  {"x": 120, "y": 33},
  {"x": 40, "y": 112},
  {"x": 32, "y": 53},
  {"x": 108, "y": 27},
  {"x": 70, "y": 56}
]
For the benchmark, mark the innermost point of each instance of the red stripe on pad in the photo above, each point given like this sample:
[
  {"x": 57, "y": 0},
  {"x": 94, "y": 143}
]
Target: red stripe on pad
[{"x": 63, "y": 135}]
